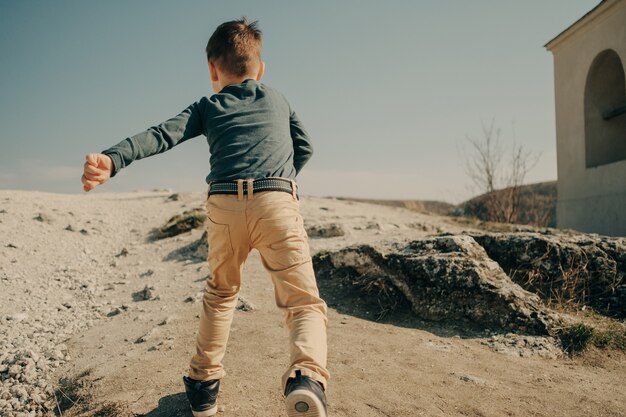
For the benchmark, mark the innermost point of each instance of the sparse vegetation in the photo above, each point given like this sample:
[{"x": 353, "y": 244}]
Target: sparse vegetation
[
  {"x": 579, "y": 337},
  {"x": 72, "y": 392},
  {"x": 537, "y": 205},
  {"x": 73, "y": 399},
  {"x": 499, "y": 178}
]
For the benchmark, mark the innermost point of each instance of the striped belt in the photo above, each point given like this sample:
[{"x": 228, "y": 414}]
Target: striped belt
[{"x": 241, "y": 187}]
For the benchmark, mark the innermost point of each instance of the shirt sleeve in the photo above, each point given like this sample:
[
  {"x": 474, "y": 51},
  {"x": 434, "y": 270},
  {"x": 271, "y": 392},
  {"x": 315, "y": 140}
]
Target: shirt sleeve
[
  {"x": 158, "y": 139},
  {"x": 302, "y": 147}
]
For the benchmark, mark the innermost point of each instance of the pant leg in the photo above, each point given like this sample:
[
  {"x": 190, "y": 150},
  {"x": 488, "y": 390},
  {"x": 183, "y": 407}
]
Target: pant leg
[
  {"x": 228, "y": 250},
  {"x": 277, "y": 231}
]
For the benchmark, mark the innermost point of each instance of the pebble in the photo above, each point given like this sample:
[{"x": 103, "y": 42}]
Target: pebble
[{"x": 473, "y": 379}]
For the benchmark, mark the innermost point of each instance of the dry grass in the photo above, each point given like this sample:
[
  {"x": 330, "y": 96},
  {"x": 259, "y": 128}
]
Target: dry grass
[{"x": 73, "y": 398}]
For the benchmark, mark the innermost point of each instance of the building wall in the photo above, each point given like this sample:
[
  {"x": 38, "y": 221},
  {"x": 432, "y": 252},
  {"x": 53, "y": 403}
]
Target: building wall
[{"x": 590, "y": 198}]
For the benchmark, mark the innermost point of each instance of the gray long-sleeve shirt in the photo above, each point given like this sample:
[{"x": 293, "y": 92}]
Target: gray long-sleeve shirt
[{"x": 251, "y": 130}]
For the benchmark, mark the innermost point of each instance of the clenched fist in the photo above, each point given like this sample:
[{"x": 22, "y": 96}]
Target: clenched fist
[{"x": 97, "y": 170}]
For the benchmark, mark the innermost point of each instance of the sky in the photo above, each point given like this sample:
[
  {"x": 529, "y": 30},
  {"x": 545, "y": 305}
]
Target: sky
[{"x": 388, "y": 90}]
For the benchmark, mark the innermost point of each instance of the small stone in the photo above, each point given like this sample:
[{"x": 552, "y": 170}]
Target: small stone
[
  {"x": 123, "y": 252},
  {"x": 165, "y": 321},
  {"x": 147, "y": 337},
  {"x": 244, "y": 305},
  {"x": 42, "y": 218},
  {"x": 69, "y": 228},
  {"x": 17, "y": 317},
  {"x": 15, "y": 370},
  {"x": 472, "y": 379},
  {"x": 144, "y": 295},
  {"x": 147, "y": 273},
  {"x": 325, "y": 230}
]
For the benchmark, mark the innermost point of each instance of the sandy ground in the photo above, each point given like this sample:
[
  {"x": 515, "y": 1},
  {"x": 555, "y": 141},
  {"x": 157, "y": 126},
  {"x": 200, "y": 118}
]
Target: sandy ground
[{"x": 397, "y": 367}]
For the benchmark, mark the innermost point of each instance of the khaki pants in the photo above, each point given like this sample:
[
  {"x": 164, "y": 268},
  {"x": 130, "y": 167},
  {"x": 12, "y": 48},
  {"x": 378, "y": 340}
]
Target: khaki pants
[{"x": 270, "y": 222}]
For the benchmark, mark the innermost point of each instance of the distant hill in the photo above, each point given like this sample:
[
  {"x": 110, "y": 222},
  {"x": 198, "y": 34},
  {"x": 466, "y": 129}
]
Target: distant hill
[
  {"x": 438, "y": 207},
  {"x": 537, "y": 205}
]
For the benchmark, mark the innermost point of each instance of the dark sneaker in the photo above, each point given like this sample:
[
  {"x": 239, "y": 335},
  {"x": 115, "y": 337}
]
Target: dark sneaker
[
  {"x": 305, "y": 397},
  {"x": 202, "y": 396}
]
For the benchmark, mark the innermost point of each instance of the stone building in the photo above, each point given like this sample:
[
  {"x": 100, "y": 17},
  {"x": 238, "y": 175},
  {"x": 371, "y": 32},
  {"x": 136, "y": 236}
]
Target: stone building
[{"x": 590, "y": 98}]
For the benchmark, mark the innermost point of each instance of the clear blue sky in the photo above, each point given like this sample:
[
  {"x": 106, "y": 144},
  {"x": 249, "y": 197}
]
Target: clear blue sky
[{"x": 388, "y": 90}]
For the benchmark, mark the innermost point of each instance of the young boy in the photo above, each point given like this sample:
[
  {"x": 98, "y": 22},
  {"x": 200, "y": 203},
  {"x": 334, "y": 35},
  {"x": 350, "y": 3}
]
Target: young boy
[{"x": 258, "y": 146}]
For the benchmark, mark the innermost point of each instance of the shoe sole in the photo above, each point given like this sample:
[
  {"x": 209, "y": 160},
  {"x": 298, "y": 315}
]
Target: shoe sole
[
  {"x": 206, "y": 413},
  {"x": 303, "y": 403}
]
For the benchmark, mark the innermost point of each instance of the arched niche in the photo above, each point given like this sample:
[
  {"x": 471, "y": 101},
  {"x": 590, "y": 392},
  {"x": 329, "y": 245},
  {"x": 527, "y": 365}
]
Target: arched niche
[{"x": 605, "y": 110}]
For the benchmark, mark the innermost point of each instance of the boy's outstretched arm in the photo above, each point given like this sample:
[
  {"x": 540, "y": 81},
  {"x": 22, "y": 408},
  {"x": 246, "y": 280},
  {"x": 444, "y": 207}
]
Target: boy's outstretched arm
[
  {"x": 302, "y": 147},
  {"x": 157, "y": 139}
]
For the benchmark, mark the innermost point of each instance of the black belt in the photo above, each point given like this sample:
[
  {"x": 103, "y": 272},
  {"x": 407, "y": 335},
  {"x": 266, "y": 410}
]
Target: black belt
[{"x": 258, "y": 185}]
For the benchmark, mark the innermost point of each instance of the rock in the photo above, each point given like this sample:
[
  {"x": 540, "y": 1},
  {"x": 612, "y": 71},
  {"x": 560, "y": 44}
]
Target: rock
[
  {"x": 424, "y": 227},
  {"x": 194, "y": 298},
  {"x": 173, "y": 197},
  {"x": 17, "y": 317},
  {"x": 244, "y": 305},
  {"x": 15, "y": 370},
  {"x": 472, "y": 379},
  {"x": 69, "y": 228},
  {"x": 11, "y": 245},
  {"x": 144, "y": 295},
  {"x": 123, "y": 252},
  {"x": 585, "y": 269},
  {"x": 181, "y": 223},
  {"x": 165, "y": 321},
  {"x": 325, "y": 230},
  {"x": 151, "y": 335},
  {"x": 114, "y": 312},
  {"x": 147, "y": 273},
  {"x": 444, "y": 279},
  {"x": 371, "y": 225},
  {"x": 44, "y": 218},
  {"x": 524, "y": 346}
]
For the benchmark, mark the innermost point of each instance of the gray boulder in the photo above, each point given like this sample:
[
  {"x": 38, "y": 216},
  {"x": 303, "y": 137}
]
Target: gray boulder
[
  {"x": 575, "y": 268},
  {"x": 447, "y": 278}
]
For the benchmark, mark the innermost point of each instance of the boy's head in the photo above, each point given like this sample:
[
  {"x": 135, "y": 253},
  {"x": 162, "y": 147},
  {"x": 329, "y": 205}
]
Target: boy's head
[{"x": 234, "y": 51}]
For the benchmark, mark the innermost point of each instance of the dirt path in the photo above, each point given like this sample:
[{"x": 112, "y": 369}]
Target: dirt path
[
  {"x": 378, "y": 369},
  {"x": 402, "y": 367}
]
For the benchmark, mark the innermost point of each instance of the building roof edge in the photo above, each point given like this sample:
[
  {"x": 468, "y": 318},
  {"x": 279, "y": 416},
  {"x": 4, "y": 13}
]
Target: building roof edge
[{"x": 591, "y": 15}]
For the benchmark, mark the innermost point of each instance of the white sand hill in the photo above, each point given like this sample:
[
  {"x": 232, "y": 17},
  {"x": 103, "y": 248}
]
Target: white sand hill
[{"x": 82, "y": 287}]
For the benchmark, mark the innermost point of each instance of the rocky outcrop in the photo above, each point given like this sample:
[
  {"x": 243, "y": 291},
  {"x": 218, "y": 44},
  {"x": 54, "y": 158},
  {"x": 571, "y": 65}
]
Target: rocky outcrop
[
  {"x": 448, "y": 278},
  {"x": 181, "y": 223},
  {"x": 581, "y": 269},
  {"x": 325, "y": 230}
]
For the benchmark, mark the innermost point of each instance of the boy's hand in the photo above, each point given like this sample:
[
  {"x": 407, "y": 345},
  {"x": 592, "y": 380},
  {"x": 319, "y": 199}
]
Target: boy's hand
[{"x": 97, "y": 170}]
